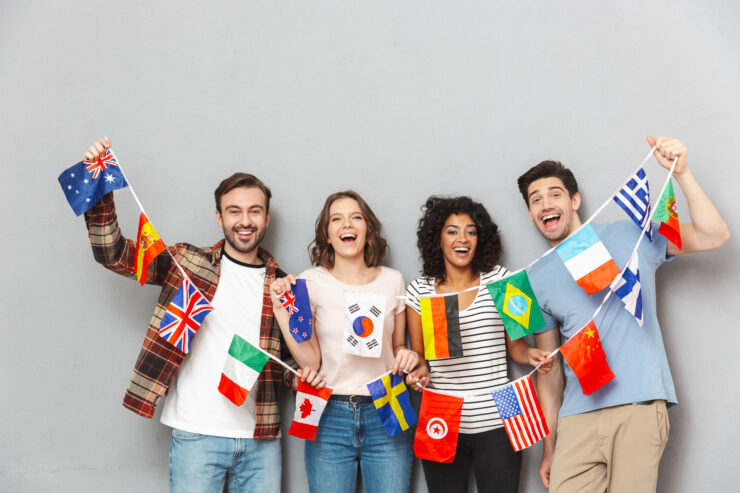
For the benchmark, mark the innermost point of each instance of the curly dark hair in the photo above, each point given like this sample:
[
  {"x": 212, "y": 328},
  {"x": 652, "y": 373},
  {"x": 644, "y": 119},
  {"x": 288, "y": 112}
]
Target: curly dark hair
[{"x": 434, "y": 214}]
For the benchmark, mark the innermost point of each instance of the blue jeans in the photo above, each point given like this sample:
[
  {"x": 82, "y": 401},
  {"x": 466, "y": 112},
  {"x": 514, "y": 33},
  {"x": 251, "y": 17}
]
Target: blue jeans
[
  {"x": 350, "y": 435},
  {"x": 204, "y": 463}
]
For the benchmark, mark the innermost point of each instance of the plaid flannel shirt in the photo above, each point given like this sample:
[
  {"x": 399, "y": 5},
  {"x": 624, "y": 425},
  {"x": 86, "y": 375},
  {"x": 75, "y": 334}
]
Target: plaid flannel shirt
[{"x": 158, "y": 360}]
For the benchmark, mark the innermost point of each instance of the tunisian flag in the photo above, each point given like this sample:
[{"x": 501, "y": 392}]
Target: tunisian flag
[
  {"x": 309, "y": 405},
  {"x": 587, "y": 359},
  {"x": 439, "y": 424}
]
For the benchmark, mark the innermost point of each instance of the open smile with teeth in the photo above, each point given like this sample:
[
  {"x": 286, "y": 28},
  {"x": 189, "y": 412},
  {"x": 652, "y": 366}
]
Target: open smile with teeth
[
  {"x": 551, "y": 221},
  {"x": 348, "y": 237},
  {"x": 244, "y": 234},
  {"x": 461, "y": 250}
]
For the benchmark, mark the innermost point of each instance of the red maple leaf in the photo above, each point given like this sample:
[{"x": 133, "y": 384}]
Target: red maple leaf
[{"x": 306, "y": 408}]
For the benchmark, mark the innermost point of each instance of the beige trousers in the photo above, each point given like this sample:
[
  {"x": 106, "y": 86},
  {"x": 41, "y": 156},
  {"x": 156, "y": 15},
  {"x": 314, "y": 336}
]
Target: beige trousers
[{"x": 616, "y": 449}]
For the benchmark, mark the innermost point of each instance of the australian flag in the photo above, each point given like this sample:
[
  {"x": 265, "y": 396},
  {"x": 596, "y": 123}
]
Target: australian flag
[
  {"x": 87, "y": 181},
  {"x": 184, "y": 315},
  {"x": 634, "y": 198},
  {"x": 298, "y": 305},
  {"x": 627, "y": 287}
]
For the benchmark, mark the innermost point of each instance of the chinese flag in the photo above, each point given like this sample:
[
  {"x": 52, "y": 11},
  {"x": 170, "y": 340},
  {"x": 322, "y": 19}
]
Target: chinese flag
[
  {"x": 587, "y": 359},
  {"x": 148, "y": 246},
  {"x": 439, "y": 424}
]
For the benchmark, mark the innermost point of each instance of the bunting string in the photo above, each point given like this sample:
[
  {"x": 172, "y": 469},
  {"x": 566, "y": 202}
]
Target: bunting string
[{"x": 473, "y": 288}]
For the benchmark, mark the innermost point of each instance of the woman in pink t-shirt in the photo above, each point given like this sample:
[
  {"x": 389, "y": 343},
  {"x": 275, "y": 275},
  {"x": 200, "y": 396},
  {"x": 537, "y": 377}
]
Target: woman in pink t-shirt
[{"x": 346, "y": 253}]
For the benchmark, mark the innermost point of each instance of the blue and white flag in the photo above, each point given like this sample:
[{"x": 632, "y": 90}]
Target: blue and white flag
[
  {"x": 627, "y": 287},
  {"x": 85, "y": 183},
  {"x": 298, "y": 304},
  {"x": 634, "y": 198}
]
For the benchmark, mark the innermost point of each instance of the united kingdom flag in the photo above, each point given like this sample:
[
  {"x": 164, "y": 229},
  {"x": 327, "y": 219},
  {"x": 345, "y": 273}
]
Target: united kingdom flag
[
  {"x": 288, "y": 301},
  {"x": 95, "y": 167},
  {"x": 184, "y": 315}
]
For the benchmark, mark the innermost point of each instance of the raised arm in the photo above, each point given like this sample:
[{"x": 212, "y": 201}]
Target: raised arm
[
  {"x": 110, "y": 247},
  {"x": 707, "y": 230},
  {"x": 550, "y": 393}
]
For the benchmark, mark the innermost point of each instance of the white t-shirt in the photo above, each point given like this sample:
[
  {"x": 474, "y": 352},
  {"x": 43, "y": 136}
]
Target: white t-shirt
[
  {"x": 483, "y": 364},
  {"x": 193, "y": 401},
  {"x": 347, "y": 373}
]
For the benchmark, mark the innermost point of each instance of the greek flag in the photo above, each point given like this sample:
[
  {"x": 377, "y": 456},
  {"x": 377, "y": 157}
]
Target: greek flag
[
  {"x": 627, "y": 287},
  {"x": 634, "y": 198}
]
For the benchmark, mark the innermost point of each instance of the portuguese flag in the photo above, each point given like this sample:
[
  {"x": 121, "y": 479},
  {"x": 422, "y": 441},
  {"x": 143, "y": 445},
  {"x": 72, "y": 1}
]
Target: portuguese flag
[
  {"x": 517, "y": 305},
  {"x": 242, "y": 367},
  {"x": 667, "y": 213}
]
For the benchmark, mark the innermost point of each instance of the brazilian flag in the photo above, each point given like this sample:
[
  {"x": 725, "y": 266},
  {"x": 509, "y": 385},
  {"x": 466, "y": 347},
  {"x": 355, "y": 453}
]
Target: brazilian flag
[{"x": 517, "y": 305}]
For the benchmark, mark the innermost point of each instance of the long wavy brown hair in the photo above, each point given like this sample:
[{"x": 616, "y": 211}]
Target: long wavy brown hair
[{"x": 320, "y": 250}]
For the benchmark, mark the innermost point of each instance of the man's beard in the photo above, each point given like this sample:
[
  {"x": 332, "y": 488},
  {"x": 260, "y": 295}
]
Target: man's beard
[{"x": 233, "y": 239}]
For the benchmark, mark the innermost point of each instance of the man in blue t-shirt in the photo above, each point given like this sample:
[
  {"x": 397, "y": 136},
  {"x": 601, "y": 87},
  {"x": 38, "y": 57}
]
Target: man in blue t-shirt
[{"x": 613, "y": 438}]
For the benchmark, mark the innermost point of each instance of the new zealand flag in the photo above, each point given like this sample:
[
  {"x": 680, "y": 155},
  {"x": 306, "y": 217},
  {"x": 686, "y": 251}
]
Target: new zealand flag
[{"x": 298, "y": 305}]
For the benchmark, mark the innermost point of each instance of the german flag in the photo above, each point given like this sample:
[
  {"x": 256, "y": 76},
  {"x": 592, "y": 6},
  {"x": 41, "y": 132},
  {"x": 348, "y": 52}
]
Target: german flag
[{"x": 440, "y": 325}]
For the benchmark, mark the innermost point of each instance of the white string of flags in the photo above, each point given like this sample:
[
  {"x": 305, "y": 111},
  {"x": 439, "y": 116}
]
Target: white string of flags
[
  {"x": 646, "y": 225},
  {"x": 473, "y": 288}
]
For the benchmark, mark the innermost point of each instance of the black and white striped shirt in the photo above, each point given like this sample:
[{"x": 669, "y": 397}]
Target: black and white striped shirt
[{"x": 483, "y": 364}]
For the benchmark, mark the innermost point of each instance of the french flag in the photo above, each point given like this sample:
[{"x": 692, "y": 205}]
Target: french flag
[{"x": 588, "y": 260}]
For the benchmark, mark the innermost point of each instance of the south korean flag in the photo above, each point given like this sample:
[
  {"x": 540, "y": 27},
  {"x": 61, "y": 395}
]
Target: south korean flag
[{"x": 363, "y": 331}]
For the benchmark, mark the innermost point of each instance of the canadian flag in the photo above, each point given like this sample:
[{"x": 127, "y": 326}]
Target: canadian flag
[{"x": 309, "y": 404}]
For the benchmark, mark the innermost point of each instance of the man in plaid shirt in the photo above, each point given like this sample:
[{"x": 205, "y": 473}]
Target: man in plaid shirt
[{"x": 213, "y": 441}]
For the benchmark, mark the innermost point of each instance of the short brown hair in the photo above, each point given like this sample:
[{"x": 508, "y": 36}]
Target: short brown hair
[
  {"x": 241, "y": 180},
  {"x": 547, "y": 169},
  {"x": 320, "y": 250}
]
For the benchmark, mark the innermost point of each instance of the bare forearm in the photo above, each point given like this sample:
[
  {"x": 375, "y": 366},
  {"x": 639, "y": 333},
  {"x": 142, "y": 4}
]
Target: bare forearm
[{"x": 709, "y": 228}]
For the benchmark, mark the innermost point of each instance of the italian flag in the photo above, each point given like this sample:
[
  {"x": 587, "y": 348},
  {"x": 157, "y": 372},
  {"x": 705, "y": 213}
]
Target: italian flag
[
  {"x": 241, "y": 369},
  {"x": 309, "y": 405}
]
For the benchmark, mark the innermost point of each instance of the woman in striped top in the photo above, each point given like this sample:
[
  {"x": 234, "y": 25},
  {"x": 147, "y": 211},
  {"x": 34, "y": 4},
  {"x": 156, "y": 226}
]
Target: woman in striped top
[{"x": 460, "y": 246}]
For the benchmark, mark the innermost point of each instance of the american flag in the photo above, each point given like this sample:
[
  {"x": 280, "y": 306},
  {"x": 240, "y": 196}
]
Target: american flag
[
  {"x": 95, "y": 167},
  {"x": 634, "y": 198},
  {"x": 184, "y": 315},
  {"x": 521, "y": 413}
]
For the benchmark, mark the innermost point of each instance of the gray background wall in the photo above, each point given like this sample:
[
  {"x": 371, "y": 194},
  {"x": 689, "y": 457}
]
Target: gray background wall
[{"x": 397, "y": 100}]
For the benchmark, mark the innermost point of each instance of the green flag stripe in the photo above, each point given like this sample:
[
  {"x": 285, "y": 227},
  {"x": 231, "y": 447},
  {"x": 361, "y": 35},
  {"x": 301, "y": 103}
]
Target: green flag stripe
[
  {"x": 246, "y": 353},
  {"x": 497, "y": 291},
  {"x": 661, "y": 214}
]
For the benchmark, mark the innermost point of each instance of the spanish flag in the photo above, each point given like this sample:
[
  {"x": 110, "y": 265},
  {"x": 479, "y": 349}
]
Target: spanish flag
[
  {"x": 440, "y": 325},
  {"x": 148, "y": 246}
]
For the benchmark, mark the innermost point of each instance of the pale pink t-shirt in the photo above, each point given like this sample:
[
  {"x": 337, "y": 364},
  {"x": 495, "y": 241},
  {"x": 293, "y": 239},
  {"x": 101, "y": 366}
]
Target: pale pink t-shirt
[{"x": 348, "y": 373}]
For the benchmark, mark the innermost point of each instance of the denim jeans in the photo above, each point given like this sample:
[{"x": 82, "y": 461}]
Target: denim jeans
[
  {"x": 204, "y": 463},
  {"x": 350, "y": 435}
]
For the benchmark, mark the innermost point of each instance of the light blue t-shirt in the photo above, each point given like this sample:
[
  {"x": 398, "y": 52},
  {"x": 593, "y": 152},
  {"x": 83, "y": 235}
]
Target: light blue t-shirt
[{"x": 635, "y": 354}]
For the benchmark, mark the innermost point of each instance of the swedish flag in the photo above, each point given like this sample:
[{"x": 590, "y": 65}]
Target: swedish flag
[
  {"x": 391, "y": 399},
  {"x": 517, "y": 305}
]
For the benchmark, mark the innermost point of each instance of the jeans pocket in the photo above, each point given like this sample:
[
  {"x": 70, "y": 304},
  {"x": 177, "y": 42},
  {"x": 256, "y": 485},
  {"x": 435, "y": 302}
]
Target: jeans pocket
[{"x": 186, "y": 435}]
